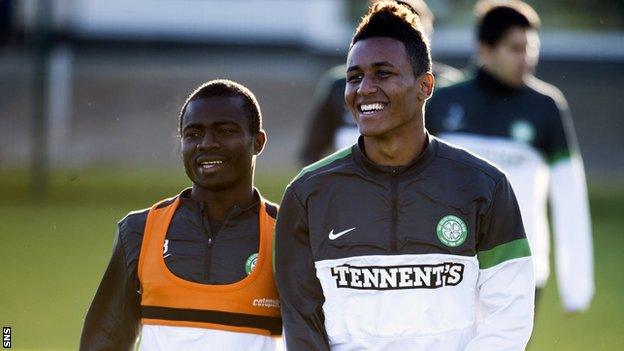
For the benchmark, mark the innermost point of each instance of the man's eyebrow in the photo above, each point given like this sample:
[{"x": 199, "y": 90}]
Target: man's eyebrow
[
  {"x": 191, "y": 125},
  {"x": 382, "y": 63},
  {"x": 226, "y": 123},
  {"x": 215, "y": 123},
  {"x": 376, "y": 64}
]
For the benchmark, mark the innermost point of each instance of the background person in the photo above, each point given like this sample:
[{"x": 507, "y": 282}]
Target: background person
[{"x": 523, "y": 125}]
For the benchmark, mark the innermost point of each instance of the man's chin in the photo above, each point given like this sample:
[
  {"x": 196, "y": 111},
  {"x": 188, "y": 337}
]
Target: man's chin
[
  {"x": 213, "y": 185},
  {"x": 376, "y": 132},
  {"x": 371, "y": 132}
]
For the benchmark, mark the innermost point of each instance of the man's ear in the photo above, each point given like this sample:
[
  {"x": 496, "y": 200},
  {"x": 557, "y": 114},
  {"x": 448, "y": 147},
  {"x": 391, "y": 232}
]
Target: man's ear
[
  {"x": 426, "y": 82},
  {"x": 484, "y": 52},
  {"x": 259, "y": 142}
]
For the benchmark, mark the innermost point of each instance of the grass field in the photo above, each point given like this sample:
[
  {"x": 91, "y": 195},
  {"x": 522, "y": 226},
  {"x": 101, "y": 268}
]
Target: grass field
[{"x": 53, "y": 253}]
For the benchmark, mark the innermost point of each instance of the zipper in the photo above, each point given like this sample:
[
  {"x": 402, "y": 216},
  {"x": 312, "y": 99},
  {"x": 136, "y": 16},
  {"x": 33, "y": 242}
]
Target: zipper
[
  {"x": 208, "y": 257},
  {"x": 394, "y": 210}
]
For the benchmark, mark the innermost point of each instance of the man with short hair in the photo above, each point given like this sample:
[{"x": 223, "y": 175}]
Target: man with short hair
[
  {"x": 400, "y": 242},
  {"x": 331, "y": 126},
  {"x": 193, "y": 272},
  {"x": 523, "y": 125}
]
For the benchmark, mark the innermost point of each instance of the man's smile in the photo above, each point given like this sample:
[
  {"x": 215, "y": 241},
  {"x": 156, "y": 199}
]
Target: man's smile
[{"x": 209, "y": 164}]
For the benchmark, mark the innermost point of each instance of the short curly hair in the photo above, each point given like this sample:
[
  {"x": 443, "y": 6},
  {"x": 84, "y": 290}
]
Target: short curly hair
[{"x": 227, "y": 88}]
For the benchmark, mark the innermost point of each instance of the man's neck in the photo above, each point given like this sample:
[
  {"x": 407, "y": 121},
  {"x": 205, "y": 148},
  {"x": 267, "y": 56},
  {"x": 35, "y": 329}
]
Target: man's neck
[
  {"x": 399, "y": 147},
  {"x": 219, "y": 202}
]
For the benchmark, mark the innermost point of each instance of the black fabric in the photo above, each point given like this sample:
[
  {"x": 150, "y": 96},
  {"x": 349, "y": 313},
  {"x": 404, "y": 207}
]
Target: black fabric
[
  {"x": 402, "y": 172},
  {"x": 271, "y": 210},
  {"x": 199, "y": 254},
  {"x": 502, "y": 222},
  {"x": 486, "y": 106},
  {"x": 194, "y": 253},
  {"x": 302, "y": 310},
  {"x": 272, "y": 324},
  {"x": 494, "y": 86},
  {"x": 443, "y": 180}
]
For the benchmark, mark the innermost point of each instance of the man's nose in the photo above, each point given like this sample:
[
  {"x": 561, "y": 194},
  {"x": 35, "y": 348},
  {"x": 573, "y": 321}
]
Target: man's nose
[
  {"x": 367, "y": 86},
  {"x": 208, "y": 142}
]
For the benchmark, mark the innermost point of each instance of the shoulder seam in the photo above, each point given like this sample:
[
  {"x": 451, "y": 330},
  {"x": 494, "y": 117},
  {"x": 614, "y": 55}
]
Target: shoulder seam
[
  {"x": 475, "y": 167},
  {"x": 124, "y": 221},
  {"x": 494, "y": 191}
]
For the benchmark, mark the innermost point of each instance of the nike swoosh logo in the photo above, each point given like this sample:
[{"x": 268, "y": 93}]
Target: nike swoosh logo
[{"x": 335, "y": 236}]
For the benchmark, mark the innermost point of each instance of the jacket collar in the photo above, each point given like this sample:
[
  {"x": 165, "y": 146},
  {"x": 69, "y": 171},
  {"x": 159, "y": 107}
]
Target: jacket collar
[
  {"x": 493, "y": 85},
  {"x": 234, "y": 211},
  {"x": 415, "y": 167}
]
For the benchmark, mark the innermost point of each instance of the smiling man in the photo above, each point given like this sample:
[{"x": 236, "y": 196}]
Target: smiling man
[
  {"x": 401, "y": 242},
  {"x": 193, "y": 272},
  {"x": 331, "y": 126}
]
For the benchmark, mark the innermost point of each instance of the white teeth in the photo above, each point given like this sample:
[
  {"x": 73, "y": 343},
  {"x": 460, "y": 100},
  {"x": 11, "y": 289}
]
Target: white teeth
[
  {"x": 210, "y": 163},
  {"x": 372, "y": 107}
]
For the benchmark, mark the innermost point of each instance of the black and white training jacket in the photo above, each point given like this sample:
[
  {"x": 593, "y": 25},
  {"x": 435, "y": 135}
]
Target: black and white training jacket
[{"x": 429, "y": 256}]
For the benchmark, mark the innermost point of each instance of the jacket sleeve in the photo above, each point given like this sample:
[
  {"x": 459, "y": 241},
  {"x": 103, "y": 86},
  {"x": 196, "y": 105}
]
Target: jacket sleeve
[
  {"x": 570, "y": 212},
  {"x": 506, "y": 285},
  {"x": 112, "y": 322},
  {"x": 300, "y": 291}
]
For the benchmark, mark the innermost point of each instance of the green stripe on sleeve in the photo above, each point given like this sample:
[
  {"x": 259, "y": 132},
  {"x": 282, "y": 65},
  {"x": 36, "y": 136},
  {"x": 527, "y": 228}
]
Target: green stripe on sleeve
[{"x": 504, "y": 252}]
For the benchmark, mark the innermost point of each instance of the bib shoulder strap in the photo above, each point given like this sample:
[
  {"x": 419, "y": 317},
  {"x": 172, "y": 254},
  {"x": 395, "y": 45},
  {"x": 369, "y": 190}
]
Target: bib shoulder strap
[{"x": 159, "y": 214}]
